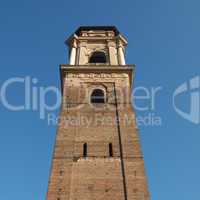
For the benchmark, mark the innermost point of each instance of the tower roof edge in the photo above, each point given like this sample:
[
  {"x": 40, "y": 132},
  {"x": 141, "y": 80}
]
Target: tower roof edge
[{"x": 105, "y": 28}]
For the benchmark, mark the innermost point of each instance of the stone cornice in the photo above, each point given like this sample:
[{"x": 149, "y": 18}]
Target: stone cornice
[
  {"x": 65, "y": 68},
  {"x": 119, "y": 38}
]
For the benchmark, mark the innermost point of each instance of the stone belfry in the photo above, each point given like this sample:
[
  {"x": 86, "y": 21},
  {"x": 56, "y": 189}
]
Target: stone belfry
[{"x": 97, "y": 152}]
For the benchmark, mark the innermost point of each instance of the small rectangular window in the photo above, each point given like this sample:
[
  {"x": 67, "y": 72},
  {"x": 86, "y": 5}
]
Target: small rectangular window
[
  {"x": 110, "y": 150},
  {"x": 85, "y": 150}
]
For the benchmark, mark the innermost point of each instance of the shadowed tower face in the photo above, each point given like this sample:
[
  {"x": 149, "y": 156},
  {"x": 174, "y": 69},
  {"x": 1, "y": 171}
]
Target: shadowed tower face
[{"x": 97, "y": 152}]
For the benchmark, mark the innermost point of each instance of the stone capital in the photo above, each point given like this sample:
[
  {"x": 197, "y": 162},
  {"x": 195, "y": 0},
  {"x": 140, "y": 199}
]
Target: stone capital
[
  {"x": 82, "y": 44},
  {"x": 120, "y": 44},
  {"x": 74, "y": 43},
  {"x": 111, "y": 43}
]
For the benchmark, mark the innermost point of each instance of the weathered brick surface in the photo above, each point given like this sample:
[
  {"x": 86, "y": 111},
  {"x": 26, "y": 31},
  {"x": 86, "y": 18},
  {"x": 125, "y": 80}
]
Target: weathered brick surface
[{"x": 98, "y": 176}]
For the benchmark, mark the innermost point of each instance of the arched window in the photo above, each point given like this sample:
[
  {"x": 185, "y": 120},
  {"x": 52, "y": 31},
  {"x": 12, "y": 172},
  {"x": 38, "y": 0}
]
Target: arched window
[
  {"x": 97, "y": 96},
  {"x": 98, "y": 57}
]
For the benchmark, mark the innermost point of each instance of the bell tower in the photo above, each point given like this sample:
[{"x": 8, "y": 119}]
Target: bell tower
[{"x": 97, "y": 153}]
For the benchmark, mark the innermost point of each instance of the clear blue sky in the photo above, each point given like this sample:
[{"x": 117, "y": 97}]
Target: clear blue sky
[{"x": 164, "y": 43}]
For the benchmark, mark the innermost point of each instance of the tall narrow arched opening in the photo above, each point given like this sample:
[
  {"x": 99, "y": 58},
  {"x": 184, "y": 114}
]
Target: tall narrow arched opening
[
  {"x": 85, "y": 150},
  {"x": 110, "y": 150}
]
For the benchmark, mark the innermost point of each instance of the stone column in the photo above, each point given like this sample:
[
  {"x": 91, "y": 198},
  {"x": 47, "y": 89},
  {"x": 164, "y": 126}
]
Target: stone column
[
  {"x": 112, "y": 52},
  {"x": 72, "y": 60},
  {"x": 82, "y": 53},
  {"x": 121, "y": 54}
]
